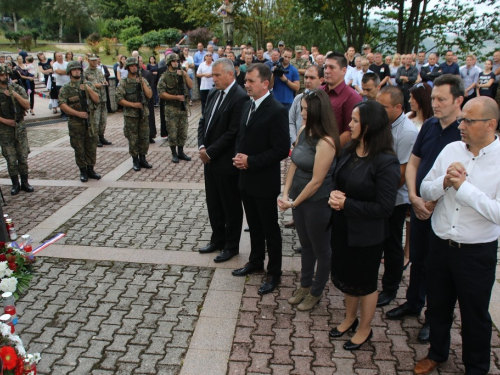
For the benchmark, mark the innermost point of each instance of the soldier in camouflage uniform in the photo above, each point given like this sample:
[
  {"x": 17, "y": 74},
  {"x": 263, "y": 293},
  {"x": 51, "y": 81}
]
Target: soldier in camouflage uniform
[
  {"x": 94, "y": 75},
  {"x": 82, "y": 135},
  {"x": 301, "y": 65},
  {"x": 133, "y": 93},
  {"x": 13, "y": 138},
  {"x": 171, "y": 89}
]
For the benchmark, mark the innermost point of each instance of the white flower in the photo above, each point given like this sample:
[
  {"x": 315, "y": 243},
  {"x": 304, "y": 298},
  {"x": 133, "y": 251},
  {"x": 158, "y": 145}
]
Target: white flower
[
  {"x": 5, "y": 330},
  {"x": 8, "y": 272},
  {"x": 3, "y": 268},
  {"x": 8, "y": 284}
]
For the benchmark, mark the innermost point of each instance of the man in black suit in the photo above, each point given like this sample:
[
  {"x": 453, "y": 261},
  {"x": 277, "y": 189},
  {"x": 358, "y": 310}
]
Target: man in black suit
[
  {"x": 432, "y": 70},
  {"x": 263, "y": 141},
  {"x": 217, "y": 131}
]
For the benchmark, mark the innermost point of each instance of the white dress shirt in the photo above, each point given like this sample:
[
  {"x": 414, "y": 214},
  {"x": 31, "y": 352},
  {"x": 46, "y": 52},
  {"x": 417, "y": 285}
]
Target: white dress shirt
[{"x": 471, "y": 214}]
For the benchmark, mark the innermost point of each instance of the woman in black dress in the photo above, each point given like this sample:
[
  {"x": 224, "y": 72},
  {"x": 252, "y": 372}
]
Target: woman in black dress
[{"x": 365, "y": 184}]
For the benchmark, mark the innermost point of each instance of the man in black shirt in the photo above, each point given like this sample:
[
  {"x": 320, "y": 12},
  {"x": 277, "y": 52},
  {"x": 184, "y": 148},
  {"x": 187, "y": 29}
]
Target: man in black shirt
[{"x": 382, "y": 69}]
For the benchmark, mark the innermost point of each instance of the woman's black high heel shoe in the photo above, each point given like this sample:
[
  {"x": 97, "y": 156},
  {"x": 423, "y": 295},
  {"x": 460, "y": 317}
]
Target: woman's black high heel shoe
[
  {"x": 349, "y": 345},
  {"x": 336, "y": 333}
]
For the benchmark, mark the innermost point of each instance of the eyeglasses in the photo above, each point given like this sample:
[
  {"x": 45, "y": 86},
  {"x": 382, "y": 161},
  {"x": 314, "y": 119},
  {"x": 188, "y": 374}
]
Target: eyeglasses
[
  {"x": 311, "y": 94},
  {"x": 418, "y": 85},
  {"x": 470, "y": 121}
]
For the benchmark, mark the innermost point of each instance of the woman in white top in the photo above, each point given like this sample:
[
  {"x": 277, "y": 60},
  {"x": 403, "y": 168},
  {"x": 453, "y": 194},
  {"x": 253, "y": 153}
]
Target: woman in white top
[
  {"x": 188, "y": 64},
  {"x": 121, "y": 71},
  {"x": 420, "y": 104},
  {"x": 205, "y": 73}
]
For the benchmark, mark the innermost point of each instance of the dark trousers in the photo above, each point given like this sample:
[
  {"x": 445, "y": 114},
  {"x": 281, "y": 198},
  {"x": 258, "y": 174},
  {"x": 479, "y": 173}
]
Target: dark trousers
[
  {"x": 465, "y": 273},
  {"x": 262, "y": 218},
  {"x": 108, "y": 101},
  {"x": 203, "y": 98},
  {"x": 163, "y": 122},
  {"x": 151, "y": 118},
  {"x": 224, "y": 208},
  {"x": 393, "y": 251},
  {"x": 312, "y": 221},
  {"x": 419, "y": 249},
  {"x": 471, "y": 96}
]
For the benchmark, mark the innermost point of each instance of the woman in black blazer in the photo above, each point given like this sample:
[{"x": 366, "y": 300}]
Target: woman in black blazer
[{"x": 365, "y": 184}]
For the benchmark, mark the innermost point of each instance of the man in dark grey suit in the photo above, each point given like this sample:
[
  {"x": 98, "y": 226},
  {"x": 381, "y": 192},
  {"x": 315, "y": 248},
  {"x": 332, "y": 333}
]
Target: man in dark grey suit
[
  {"x": 263, "y": 141},
  {"x": 217, "y": 131}
]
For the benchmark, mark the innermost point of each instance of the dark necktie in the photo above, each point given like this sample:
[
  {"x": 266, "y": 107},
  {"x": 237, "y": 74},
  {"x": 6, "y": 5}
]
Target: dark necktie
[
  {"x": 252, "y": 111},
  {"x": 217, "y": 104}
]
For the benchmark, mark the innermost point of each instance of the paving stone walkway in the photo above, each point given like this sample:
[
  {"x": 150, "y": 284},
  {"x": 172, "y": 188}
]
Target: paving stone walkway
[{"x": 126, "y": 292}]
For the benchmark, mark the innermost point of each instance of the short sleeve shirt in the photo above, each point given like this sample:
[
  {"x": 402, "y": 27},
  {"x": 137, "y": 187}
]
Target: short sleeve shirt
[
  {"x": 382, "y": 70},
  {"x": 281, "y": 91},
  {"x": 61, "y": 80},
  {"x": 431, "y": 140},
  {"x": 484, "y": 78}
]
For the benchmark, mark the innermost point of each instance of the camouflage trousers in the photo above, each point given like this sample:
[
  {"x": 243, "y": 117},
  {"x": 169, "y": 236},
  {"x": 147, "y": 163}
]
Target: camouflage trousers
[
  {"x": 136, "y": 130},
  {"x": 15, "y": 151},
  {"x": 228, "y": 30},
  {"x": 177, "y": 126},
  {"x": 83, "y": 143},
  {"x": 101, "y": 117}
]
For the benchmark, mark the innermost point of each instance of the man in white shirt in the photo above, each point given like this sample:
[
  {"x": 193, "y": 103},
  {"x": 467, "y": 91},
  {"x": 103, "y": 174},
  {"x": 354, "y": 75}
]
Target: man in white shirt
[
  {"x": 59, "y": 67},
  {"x": 358, "y": 77},
  {"x": 465, "y": 183}
]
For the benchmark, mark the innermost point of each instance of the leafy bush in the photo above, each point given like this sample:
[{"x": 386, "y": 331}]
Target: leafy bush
[
  {"x": 12, "y": 36},
  {"x": 170, "y": 36},
  {"x": 199, "y": 35},
  {"x": 35, "y": 33},
  {"x": 129, "y": 33},
  {"x": 106, "y": 44},
  {"x": 93, "y": 41},
  {"x": 152, "y": 40},
  {"x": 26, "y": 41},
  {"x": 134, "y": 43},
  {"x": 130, "y": 22}
]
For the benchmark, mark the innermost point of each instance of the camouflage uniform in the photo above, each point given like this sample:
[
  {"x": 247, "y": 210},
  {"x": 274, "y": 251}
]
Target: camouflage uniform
[
  {"x": 300, "y": 64},
  {"x": 83, "y": 142},
  {"x": 101, "y": 112},
  {"x": 175, "y": 115},
  {"x": 14, "y": 140},
  {"x": 136, "y": 125}
]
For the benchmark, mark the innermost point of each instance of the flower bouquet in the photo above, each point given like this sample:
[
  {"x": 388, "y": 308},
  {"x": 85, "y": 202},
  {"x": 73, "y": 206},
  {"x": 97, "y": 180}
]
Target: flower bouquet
[
  {"x": 16, "y": 271},
  {"x": 13, "y": 355}
]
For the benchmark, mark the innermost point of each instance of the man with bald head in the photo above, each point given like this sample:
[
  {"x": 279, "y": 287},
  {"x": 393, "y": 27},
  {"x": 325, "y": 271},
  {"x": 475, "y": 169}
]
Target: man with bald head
[
  {"x": 319, "y": 60},
  {"x": 431, "y": 71},
  {"x": 465, "y": 183}
]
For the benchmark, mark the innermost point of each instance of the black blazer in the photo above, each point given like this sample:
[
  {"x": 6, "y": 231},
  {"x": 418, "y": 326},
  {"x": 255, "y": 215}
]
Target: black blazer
[
  {"x": 371, "y": 191},
  {"x": 266, "y": 141},
  {"x": 427, "y": 75},
  {"x": 220, "y": 137}
]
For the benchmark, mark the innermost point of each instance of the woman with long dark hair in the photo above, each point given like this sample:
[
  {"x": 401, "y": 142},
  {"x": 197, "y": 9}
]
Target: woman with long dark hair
[
  {"x": 420, "y": 103},
  {"x": 307, "y": 187},
  {"x": 365, "y": 185}
]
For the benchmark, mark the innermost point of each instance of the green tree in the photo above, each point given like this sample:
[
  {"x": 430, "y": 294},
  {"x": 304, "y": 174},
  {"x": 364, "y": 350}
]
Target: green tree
[
  {"x": 152, "y": 40},
  {"x": 130, "y": 32},
  {"x": 134, "y": 43}
]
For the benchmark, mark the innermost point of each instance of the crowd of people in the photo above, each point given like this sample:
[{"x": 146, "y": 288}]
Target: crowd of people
[{"x": 377, "y": 144}]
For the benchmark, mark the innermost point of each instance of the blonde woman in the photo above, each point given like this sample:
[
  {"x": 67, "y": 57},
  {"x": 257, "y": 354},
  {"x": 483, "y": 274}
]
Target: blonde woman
[{"x": 396, "y": 63}]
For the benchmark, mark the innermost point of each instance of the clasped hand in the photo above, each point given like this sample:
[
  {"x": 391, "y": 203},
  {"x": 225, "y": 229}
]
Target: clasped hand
[
  {"x": 240, "y": 161},
  {"x": 284, "y": 203},
  {"x": 455, "y": 175},
  {"x": 337, "y": 199}
]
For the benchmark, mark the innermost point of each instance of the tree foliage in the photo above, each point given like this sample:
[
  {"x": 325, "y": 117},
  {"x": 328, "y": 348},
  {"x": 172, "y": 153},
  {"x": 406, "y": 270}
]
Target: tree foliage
[{"x": 134, "y": 43}]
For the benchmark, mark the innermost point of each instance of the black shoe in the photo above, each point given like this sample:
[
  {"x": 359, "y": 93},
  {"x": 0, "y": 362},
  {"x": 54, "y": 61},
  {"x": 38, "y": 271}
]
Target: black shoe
[
  {"x": 25, "y": 184},
  {"x": 210, "y": 248},
  {"x": 104, "y": 141},
  {"x": 401, "y": 312},
  {"x": 91, "y": 173},
  {"x": 99, "y": 144},
  {"x": 225, "y": 255},
  {"x": 247, "y": 229},
  {"x": 84, "y": 176},
  {"x": 182, "y": 155},
  {"x": 151, "y": 140},
  {"x": 136, "y": 165},
  {"x": 423, "y": 334},
  {"x": 269, "y": 285},
  {"x": 349, "y": 345},
  {"x": 247, "y": 270},
  {"x": 336, "y": 333},
  {"x": 385, "y": 298},
  {"x": 64, "y": 117},
  {"x": 406, "y": 265},
  {"x": 143, "y": 162},
  {"x": 175, "y": 157},
  {"x": 15, "y": 185},
  {"x": 299, "y": 250}
]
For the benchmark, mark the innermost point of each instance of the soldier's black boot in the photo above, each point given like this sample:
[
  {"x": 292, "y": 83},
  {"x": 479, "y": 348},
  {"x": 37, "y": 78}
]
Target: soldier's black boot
[
  {"x": 143, "y": 162},
  {"x": 175, "y": 158},
  {"x": 99, "y": 144},
  {"x": 91, "y": 173},
  {"x": 84, "y": 176},
  {"x": 137, "y": 164},
  {"x": 25, "y": 184},
  {"x": 104, "y": 141},
  {"x": 182, "y": 155},
  {"x": 15, "y": 185}
]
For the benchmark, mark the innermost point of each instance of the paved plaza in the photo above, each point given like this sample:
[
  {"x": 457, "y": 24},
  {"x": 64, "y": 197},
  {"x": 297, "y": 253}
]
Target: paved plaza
[{"x": 126, "y": 291}]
